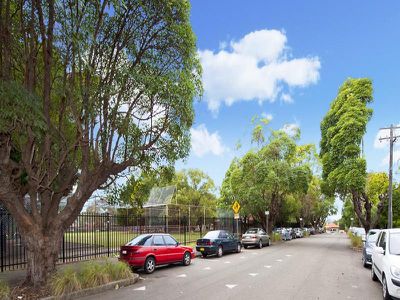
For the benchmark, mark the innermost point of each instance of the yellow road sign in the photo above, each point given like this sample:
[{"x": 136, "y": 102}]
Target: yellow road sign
[{"x": 236, "y": 207}]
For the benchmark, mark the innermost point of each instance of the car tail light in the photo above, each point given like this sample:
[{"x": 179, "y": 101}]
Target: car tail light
[
  {"x": 208, "y": 243},
  {"x": 253, "y": 236}
]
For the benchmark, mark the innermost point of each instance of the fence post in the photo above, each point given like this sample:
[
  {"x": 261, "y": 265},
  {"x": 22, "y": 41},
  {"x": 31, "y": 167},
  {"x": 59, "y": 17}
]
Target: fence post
[
  {"x": 108, "y": 234},
  {"x": 63, "y": 248},
  {"x": 2, "y": 248}
]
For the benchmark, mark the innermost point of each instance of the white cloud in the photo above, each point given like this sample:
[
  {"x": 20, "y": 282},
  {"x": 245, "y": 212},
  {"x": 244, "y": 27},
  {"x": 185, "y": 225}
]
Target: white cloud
[
  {"x": 291, "y": 129},
  {"x": 286, "y": 98},
  {"x": 254, "y": 68},
  {"x": 269, "y": 117},
  {"x": 383, "y": 134},
  {"x": 204, "y": 143}
]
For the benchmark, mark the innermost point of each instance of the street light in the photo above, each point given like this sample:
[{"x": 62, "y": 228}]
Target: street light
[
  {"x": 351, "y": 222},
  {"x": 266, "y": 220},
  {"x": 301, "y": 222}
]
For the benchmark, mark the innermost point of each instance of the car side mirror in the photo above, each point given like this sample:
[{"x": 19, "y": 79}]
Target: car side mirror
[
  {"x": 380, "y": 250},
  {"x": 177, "y": 244}
]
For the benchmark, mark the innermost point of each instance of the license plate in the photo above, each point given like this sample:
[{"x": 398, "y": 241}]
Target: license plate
[
  {"x": 124, "y": 252},
  {"x": 201, "y": 249}
]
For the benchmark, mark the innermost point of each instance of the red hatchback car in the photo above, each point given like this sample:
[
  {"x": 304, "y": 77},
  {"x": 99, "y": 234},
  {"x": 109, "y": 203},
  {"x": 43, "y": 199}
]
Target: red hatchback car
[{"x": 148, "y": 250}]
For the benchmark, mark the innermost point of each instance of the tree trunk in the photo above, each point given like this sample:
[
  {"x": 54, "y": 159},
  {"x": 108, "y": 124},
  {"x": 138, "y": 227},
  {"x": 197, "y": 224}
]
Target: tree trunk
[{"x": 42, "y": 256}]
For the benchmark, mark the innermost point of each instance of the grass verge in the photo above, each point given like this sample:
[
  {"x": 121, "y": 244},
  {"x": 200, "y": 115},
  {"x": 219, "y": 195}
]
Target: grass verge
[{"x": 4, "y": 290}]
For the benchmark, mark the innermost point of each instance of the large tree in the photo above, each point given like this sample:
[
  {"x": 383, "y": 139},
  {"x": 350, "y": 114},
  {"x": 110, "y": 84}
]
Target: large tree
[
  {"x": 269, "y": 178},
  {"x": 344, "y": 166},
  {"x": 87, "y": 90}
]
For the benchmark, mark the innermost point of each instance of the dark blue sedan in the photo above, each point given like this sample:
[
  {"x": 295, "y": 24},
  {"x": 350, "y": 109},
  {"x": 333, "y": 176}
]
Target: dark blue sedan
[{"x": 218, "y": 242}]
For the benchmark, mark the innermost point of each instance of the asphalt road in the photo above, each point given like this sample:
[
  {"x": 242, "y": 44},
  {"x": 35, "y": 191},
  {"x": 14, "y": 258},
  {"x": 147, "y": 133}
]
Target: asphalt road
[{"x": 319, "y": 267}]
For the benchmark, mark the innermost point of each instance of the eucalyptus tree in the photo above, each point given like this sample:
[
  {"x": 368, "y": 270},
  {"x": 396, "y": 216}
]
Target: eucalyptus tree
[
  {"x": 87, "y": 90},
  {"x": 266, "y": 178},
  {"x": 342, "y": 131}
]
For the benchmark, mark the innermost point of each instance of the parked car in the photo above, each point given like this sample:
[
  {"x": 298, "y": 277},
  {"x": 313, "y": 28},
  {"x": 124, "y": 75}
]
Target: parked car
[
  {"x": 359, "y": 231},
  {"x": 255, "y": 237},
  {"x": 299, "y": 232},
  {"x": 285, "y": 234},
  {"x": 386, "y": 262},
  {"x": 292, "y": 232},
  {"x": 369, "y": 244},
  {"x": 149, "y": 250},
  {"x": 218, "y": 242}
]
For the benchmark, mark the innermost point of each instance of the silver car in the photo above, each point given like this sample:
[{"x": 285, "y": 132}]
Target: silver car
[{"x": 255, "y": 237}]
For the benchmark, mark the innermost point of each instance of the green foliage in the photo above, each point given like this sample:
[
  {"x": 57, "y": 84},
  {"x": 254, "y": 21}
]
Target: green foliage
[
  {"x": 342, "y": 130},
  {"x": 276, "y": 237},
  {"x": 356, "y": 241},
  {"x": 4, "y": 290},
  {"x": 90, "y": 275},
  {"x": 275, "y": 177},
  {"x": 65, "y": 281}
]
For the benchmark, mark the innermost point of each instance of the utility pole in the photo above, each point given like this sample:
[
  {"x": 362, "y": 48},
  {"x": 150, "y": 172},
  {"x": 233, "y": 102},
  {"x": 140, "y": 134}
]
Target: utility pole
[{"x": 392, "y": 139}]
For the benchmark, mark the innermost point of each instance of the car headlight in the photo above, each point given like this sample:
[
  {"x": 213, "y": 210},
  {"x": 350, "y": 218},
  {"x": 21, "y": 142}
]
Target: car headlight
[{"x": 395, "y": 271}]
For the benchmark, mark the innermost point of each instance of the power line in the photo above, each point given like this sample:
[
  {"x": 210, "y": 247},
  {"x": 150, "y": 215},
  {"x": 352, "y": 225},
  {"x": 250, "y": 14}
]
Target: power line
[{"x": 392, "y": 139}]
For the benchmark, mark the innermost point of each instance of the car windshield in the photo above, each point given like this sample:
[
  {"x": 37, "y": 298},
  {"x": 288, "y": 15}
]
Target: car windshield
[
  {"x": 252, "y": 230},
  {"x": 211, "y": 235},
  {"x": 140, "y": 240},
  {"x": 373, "y": 237},
  {"x": 394, "y": 244}
]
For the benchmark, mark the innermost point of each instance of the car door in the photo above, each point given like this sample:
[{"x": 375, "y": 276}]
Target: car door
[
  {"x": 263, "y": 236},
  {"x": 223, "y": 237},
  {"x": 160, "y": 250},
  {"x": 232, "y": 242},
  {"x": 378, "y": 257},
  {"x": 174, "y": 252}
]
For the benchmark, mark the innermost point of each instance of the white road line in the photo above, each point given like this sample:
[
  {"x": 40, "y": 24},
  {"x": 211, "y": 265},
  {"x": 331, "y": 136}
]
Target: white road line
[
  {"x": 181, "y": 276},
  {"x": 288, "y": 255},
  {"x": 268, "y": 267},
  {"x": 243, "y": 257},
  {"x": 207, "y": 268},
  {"x": 227, "y": 262},
  {"x": 253, "y": 274},
  {"x": 279, "y": 260},
  {"x": 142, "y": 288},
  {"x": 354, "y": 286},
  {"x": 230, "y": 286}
]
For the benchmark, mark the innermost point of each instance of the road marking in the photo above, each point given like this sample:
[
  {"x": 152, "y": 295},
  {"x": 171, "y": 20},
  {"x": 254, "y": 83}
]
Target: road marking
[
  {"x": 142, "y": 288},
  {"x": 288, "y": 255},
  {"x": 243, "y": 257},
  {"x": 230, "y": 286},
  {"x": 227, "y": 262},
  {"x": 181, "y": 276},
  {"x": 207, "y": 268},
  {"x": 255, "y": 253},
  {"x": 279, "y": 260},
  {"x": 354, "y": 286},
  {"x": 141, "y": 278},
  {"x": 253, "y": 274},
  {"x": 268, "y": 267}
]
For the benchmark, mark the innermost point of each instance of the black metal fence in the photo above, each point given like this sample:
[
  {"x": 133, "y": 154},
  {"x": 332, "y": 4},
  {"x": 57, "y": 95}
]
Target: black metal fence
[{"x": 97, "y": 235}]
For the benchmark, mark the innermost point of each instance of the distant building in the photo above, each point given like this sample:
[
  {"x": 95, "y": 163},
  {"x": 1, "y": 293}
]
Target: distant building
[{"x": 332, "y": 227}]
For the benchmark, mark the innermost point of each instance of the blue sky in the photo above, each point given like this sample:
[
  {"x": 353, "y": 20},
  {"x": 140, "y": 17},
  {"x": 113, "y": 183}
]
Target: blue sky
[{"x": 300, "y": 52}]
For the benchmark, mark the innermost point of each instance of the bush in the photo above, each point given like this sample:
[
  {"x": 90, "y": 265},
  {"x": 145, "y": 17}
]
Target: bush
[
  {"x": 4, "y": 290},
  {"x": 276, "y": 237},
  {"x": 356, "y": 241},
  {"x": 90, "y": 275},
  {"x": 64, "y": 282}
]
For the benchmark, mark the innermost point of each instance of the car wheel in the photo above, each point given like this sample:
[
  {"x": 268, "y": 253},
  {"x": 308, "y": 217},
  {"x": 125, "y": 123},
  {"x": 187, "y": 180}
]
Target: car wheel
[
  {"x": 260, "y": 245},
  {"x": 373, "y": 275},
  {"x": 204, "y": 255},
  {"x": 239, "y": 248},
  {"x": 220, "y": 251},
  {"x": 385, "y": 292},
  {"x": 245, "y": 246},
  {"x": 150, "y": 265},
  {"x": 186, "y": 259},
  {"x": 364, "y": 261}
]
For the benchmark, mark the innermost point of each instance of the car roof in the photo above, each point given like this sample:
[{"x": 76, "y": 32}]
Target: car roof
[{"x": 392, "y": 230}]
